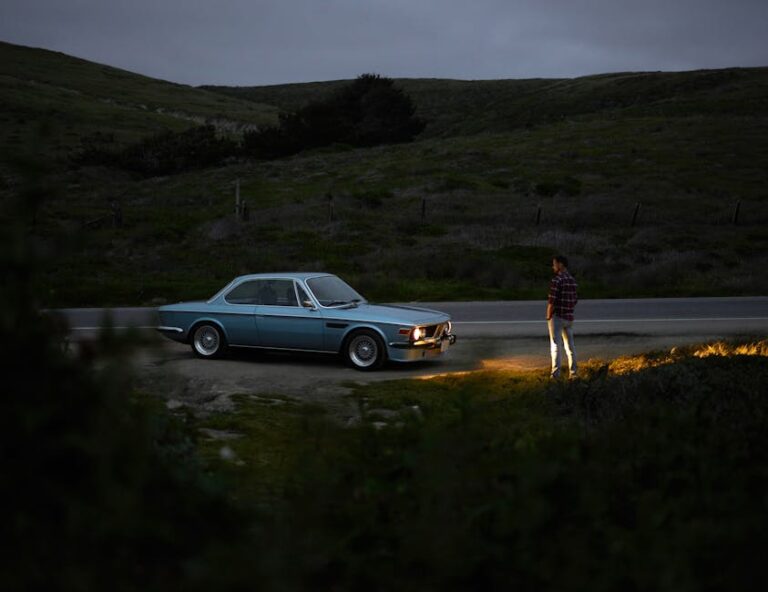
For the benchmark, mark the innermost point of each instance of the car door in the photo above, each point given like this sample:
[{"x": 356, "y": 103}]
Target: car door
[
  {"x": 238, "y": 314},
  {"x": 283, "y": 322}
]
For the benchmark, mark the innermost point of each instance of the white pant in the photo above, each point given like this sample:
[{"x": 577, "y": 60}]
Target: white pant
[{"x": 561, "y": 332}]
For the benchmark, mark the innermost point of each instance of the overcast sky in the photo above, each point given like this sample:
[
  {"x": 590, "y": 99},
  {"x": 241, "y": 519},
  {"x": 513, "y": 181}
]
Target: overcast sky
[{"x": 256, "y": 42}]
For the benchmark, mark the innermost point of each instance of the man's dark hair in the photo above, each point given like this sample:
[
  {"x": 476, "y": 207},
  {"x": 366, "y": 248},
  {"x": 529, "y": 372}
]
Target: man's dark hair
[{"x": 561, "y": 259}]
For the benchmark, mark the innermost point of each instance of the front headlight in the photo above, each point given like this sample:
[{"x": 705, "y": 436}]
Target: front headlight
[
  {"x": 448, "y": 327},
  {"x": 417, "y": 334}
]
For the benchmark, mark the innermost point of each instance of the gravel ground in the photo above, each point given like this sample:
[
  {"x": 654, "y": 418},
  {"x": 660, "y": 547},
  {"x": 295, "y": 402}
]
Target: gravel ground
[{"x": 171, "y": 371}]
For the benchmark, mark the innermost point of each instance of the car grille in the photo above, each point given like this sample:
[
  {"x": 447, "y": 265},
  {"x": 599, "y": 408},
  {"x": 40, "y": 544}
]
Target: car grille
[{"x": 434, "y": 331}]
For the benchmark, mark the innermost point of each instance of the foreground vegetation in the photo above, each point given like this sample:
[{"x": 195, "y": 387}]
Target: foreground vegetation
[{"x": 647, "y": 474}]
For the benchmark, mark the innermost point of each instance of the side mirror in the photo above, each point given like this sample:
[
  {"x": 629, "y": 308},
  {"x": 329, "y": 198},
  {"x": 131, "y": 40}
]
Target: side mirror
[{"x": 308, "y": 304}]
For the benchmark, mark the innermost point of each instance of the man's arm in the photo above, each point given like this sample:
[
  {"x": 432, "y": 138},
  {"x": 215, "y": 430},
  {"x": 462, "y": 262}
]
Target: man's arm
[{"x": 553, "y": 285}]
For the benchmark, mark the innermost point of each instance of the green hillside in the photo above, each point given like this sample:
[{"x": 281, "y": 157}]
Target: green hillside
[
  {"x": 457, "y": 107},
  {"x": 637, "y": 177},
  {"x": 77, "y": 99}
]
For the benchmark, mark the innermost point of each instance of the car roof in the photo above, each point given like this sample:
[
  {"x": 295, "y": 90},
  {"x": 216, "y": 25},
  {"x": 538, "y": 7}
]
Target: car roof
[{"x": 294, "y": 275}]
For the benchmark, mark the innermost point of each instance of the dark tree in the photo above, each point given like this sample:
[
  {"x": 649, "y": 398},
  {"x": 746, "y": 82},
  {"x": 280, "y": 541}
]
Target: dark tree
[
  {"x": 368, "y": 112},
  {"x": 381, "y": 112}
]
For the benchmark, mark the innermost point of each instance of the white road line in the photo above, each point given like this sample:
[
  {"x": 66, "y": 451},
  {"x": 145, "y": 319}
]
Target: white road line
[
  {"x": 99, "y": 328},
  {"x": 582, "y": 321}
]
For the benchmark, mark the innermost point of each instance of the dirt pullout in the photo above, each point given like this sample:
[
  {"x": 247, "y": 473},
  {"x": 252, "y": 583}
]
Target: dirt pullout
[{"x": 172, "y": 372}]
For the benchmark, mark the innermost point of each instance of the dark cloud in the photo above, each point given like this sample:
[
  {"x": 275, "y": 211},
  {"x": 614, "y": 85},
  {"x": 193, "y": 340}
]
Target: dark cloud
[{"x": 264, "y": 42}]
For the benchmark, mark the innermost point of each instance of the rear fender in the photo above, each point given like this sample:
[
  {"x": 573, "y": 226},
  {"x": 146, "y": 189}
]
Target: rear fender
[{"x": 206, "y": 321}]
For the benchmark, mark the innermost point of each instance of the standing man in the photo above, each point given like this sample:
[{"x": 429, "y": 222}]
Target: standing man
[{"x": 562, "y": 300}]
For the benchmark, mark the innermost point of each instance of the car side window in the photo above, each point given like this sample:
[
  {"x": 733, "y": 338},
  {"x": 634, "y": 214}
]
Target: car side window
[
  {"x": 279, "y": 293},
  {"x": 245, "y": 293},
  {"x": 276, "y": 293},
  {"x": 264, "y": 292}
]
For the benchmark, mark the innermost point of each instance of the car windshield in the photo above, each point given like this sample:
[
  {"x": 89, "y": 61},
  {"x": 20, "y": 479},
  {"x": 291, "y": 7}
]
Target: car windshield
[{"x": 332, "y": 291}]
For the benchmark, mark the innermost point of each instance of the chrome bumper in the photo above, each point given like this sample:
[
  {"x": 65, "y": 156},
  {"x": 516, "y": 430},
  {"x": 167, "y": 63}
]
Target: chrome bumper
[
  {"x": 175, "y": 333},
  {"x": 420, "y": 350}
]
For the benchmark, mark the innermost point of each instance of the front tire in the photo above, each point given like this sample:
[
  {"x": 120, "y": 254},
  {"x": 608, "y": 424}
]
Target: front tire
[
  {"x": 364, "y": 350},
  {"x": 208, "y": 341}
]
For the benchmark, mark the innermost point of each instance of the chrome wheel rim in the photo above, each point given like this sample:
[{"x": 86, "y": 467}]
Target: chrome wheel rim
[
  {"x": 206, "y": 340},
  {"x": 363, "y": 351}
]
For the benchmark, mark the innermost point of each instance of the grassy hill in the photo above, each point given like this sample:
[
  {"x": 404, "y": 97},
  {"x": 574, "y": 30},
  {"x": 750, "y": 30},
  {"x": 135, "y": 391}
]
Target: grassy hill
[
  {"x": 77, "y": 99},
  {"x": 581, "y": 156},
  {"x": 458, "y": 107}
]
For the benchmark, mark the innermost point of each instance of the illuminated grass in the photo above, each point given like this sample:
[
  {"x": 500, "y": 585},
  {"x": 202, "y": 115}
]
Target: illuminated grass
[{"x": 628, "y": 364}]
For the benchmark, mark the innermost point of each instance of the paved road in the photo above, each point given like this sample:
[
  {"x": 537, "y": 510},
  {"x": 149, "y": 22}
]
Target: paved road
[{"x": 653, "y": 316}]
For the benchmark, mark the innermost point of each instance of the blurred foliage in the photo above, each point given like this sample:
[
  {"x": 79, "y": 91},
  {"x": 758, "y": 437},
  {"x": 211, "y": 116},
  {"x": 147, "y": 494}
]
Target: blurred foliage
[{"x": 102, "y": 489}]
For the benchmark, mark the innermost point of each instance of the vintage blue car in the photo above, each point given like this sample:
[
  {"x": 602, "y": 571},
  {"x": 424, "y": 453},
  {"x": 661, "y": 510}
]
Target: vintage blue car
[{"x": 310, "y": 312}]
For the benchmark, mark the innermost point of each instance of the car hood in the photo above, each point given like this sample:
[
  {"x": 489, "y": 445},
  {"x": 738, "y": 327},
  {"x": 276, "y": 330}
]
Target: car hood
[{"x": 389, "y": 313}]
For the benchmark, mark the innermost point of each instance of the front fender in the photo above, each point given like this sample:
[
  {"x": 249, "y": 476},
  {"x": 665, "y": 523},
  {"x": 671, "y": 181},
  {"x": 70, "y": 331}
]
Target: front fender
[{"x": 357, "y": 327}]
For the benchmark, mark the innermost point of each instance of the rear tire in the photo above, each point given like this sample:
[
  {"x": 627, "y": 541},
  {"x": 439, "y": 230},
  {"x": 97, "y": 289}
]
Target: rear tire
[
  {"x": 208, "y": 341},
  {"x": 364, "y": 350}
]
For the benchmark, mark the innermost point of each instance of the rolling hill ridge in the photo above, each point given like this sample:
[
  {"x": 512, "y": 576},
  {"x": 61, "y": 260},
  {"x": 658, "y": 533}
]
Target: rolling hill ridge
[{"x": 653, "y": 183}]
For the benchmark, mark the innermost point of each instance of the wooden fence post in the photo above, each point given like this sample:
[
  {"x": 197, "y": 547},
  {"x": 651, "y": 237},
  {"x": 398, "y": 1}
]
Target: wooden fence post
[
  {"x": 636, "y": 212},
  {"x": 117, "y": 214},
  {"x": 538, "y": 215},
  {"x": 736, "y": 213},
  {"x": 329, "y": 197},
  {"x": 237, "y": 199}
]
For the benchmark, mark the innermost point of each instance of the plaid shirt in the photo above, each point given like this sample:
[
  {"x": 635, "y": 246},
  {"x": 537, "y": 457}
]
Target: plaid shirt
[{"x": 562, "y": 295}]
